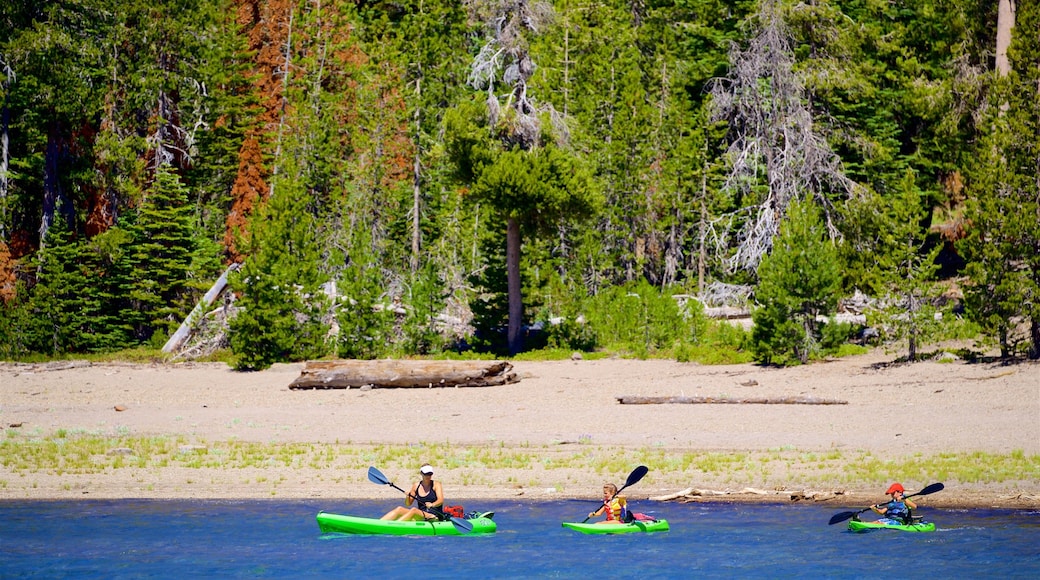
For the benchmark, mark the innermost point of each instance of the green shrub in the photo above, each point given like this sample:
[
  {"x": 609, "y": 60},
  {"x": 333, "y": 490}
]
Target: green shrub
[
  {"x": 835, "y": 334},
  {"x": 571, "y": 334},
  {"x": 638, "y": 318}
]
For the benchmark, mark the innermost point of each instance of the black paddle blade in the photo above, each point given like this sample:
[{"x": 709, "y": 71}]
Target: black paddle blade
[
  {"x": 463, "y": 526},
  {"x": 376, "y": 476},
  {"x": 930, "y": 489},
  {"x": 635, "y": 476},
  {"x": 841, "y": 517}
]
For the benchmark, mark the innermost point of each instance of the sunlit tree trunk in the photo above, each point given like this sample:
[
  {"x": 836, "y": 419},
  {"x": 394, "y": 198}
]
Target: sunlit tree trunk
[
  {"x": 1005, "y": 22},
  {"x": 5, "y": 122},
  {"x": 285, "y": 101},
  {"x": 516, "y": 305},
  {"x": 417, "y": 179}
]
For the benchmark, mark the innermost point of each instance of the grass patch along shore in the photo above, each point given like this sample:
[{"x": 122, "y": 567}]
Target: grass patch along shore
[{"x": 67, "y": 465}]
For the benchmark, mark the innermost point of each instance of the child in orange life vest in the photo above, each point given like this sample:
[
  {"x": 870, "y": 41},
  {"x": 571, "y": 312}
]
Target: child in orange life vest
[{"x": 613, "y": 505}]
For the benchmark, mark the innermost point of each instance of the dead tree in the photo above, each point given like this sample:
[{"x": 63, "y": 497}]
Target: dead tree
[{"x": 773, "y": 141}]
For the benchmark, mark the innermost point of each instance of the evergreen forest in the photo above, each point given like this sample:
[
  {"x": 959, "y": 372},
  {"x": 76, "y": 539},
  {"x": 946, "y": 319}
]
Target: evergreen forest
[{"x": 433, "y": 177}]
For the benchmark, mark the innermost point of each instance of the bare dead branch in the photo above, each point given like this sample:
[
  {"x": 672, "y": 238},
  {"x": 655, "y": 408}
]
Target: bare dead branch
[
  {"x": 776, "y": 156},
  {"x": 505, "y": 60}
]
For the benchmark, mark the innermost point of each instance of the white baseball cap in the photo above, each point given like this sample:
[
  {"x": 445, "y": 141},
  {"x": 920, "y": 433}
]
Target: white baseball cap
[{"x": 426, "y": 469}]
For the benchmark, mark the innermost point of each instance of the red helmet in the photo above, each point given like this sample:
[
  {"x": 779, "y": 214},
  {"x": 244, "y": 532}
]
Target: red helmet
[{"x": 894, "y": 488}]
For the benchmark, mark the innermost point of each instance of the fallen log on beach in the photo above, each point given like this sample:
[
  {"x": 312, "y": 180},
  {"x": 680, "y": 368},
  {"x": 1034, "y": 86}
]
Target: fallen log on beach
[
  {"x": 639, "y": 400},
  {"x": 345, "y": 374}
]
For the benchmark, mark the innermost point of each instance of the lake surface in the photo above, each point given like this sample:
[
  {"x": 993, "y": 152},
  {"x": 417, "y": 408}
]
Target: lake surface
[{"x": 280, "y": 539}]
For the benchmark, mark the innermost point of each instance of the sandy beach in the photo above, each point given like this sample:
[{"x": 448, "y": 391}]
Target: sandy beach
[{"x": 557, "y": 433}]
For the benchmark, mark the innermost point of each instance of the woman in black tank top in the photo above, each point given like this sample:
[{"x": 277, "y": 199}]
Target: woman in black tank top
[{"x": 426, "y": 492}]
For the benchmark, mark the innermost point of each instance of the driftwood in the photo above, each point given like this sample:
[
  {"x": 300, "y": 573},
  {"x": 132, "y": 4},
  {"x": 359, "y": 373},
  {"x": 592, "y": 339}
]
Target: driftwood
[
  {"x": 637, "y": 400},
  {"x": 344, "y": 374},
  {"x": 691, "y": 494}
]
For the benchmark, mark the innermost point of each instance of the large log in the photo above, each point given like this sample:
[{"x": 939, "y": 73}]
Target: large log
[
  {"x": 344, "y": 374},
  {"x": 637, "y": 400}
]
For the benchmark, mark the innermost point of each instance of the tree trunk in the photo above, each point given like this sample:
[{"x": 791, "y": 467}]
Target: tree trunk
[
  {"x": 417, "y": 178},
  {"x": 807, "y": 328},
  {"x": 285, "y": 103},
  {"x": 514, "y": 335},
  {"x": 702, "y": 254},
  {"x": 912, "y": 336},
  {"x": 5, "y": 122},
  {"x": 1034, "y": 333},
  {"x": 1005, "y": 22},
  {"x": 53, "y": 199}
]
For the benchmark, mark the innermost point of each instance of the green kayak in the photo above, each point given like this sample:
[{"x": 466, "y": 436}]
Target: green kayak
[
  {"x": 858, "y": 526},
  {"x": 654, "y": 526},
  {"x": 482, "y": 524}
]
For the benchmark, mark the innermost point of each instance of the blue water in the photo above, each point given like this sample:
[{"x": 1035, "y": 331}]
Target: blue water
[{"x": 280, "y": 539}]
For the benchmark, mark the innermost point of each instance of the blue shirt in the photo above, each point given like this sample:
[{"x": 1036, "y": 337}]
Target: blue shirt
[{"x": 897, "y": 510}]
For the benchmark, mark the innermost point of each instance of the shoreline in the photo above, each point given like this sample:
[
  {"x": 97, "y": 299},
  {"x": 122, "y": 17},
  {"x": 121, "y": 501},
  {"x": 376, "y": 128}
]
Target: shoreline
[
  {"x": 203, "y": 431},
  {"x": 953, "y": 497}
]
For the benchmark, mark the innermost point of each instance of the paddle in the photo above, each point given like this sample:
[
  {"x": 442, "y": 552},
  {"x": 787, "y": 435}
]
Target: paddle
[
  {"x": 376, "y": 476},
  {"x": 633, "y": 478},
  {"x": 846, "y": 515}
]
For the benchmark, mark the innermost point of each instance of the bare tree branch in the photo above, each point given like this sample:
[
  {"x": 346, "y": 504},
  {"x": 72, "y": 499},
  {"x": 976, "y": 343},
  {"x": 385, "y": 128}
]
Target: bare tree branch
[
  {"x": 505, "y": 63},
  {"x": 775, "y": 156}
]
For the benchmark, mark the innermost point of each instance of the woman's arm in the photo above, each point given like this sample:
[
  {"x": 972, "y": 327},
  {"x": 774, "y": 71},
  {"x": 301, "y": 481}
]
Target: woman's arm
[{"x": 410, "y": 496}]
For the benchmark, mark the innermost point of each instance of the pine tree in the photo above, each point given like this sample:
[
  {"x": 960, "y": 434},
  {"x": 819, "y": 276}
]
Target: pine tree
[
  {"x": 225, "y": 113},
  {"x": 799, "y": 280},
  {"x": 510, "y": 153},
  {"x": 530, "y": 190},
  {"x": 160, "y": 260},
  {"x": 283, "y": 307},
  {"x": 424, "y": 299},
  {"x": 364, "y": 312},
  {"x": 63, "y": 300},
  {"x": 908, "y": 268},
  {"x": 1003, "y": 243}
]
